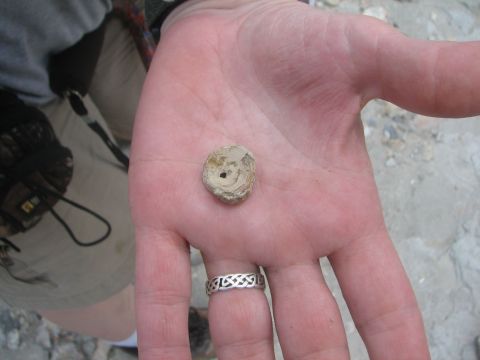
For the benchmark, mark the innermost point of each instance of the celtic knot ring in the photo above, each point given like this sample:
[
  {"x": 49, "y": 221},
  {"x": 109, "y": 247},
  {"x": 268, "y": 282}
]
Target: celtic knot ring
[{"x": 235, "y": 281}]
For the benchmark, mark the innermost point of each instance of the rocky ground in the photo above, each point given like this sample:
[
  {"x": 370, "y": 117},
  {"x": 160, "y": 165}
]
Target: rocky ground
[{"x": 428, "y": 173}]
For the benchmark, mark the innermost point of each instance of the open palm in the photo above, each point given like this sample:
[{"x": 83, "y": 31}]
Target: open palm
[{"x": 288, "y": 83}]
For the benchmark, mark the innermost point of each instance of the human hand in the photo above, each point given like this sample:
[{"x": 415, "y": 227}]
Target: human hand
[{"x": 288, "y": 83}]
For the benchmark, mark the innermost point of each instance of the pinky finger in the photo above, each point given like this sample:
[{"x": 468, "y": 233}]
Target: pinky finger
[{"x": 163, "y": 286}]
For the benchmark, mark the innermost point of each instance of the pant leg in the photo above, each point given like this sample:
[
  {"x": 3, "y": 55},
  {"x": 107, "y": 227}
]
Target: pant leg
[
  {"x": 77, "y": 276},
  {"x": 118, "y": 79}
]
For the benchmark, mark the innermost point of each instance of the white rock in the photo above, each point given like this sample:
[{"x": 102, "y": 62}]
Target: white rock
[
  {"x": 89, "y": 347},
  {"x": 102, "y": 350},
  {"x": 378, "y": 12},
  {"x": 13, "y": 339},
  {"x": 367, "y": 131},
  {"x": 331, "y": 2},
  {"x": 391, "y": 162},
  {"x": 52, "y": 328},
  {"x": 66, "y": 351},
  {"x": 43, "y": 337}
]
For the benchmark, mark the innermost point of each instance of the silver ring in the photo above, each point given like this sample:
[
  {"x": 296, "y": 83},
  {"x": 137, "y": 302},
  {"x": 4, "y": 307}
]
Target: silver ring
[{"x": 235, "y": 281}]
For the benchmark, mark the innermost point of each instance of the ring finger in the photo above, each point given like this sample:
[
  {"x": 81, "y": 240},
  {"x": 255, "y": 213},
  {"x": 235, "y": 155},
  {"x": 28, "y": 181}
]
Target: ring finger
[{"x": 240, "y": 321}]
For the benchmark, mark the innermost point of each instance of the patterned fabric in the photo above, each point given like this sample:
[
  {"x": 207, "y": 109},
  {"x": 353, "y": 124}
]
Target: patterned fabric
[
  {"x": 144, "y": 18},
  {"x": 133, "y": 12}
]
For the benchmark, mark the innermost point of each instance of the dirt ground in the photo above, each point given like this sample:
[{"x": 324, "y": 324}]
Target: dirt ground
[{"x": 428, "y": 174}]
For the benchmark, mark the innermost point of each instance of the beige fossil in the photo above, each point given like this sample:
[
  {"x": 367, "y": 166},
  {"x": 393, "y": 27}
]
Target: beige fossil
[{"x": 229, "y": 173}]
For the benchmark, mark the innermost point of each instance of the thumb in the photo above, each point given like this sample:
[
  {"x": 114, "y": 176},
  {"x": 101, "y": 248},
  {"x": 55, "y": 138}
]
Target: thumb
[{"x": 432, "y": 78}]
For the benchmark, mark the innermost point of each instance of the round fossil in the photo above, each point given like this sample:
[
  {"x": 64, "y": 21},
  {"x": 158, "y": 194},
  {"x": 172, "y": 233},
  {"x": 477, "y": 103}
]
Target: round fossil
[{"x": 229, "y": 173}]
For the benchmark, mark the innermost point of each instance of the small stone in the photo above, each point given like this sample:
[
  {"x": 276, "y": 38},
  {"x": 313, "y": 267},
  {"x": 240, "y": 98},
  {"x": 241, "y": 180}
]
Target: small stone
[
  {"x": 89, "y": 347},
  {"x": 390, "y": 133},
  {"x": 332, "y": 2},
  {"x": 53, "y": 329},
  {"x": 43, "y": 337},
  {"x": 13, "y": 339},
  {"x": 367, "y": 131},
  {"x": 66, "y": 351},
  {"x": 22, "y": 321},
  {"x": 102, "y": 351},
  {"x": 391, "y": 162},
  {"x": 8, "y": 320},
  {"x": 378, "y": 12},
  {"x": 229, "y": 173}
]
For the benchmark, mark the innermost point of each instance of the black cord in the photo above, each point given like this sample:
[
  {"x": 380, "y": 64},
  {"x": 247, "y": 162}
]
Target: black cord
[
  {"x": 87, "y": 210},
  {"x": 78, "y": 106},
  {"x": 40, "y": 191},
  {"x": 10, "y": 244}
]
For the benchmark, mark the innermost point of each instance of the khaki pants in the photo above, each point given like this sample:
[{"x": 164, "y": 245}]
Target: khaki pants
[{"x": 82, "y": 276}]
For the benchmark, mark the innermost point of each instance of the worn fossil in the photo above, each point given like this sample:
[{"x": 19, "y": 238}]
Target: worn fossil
[{"x": 229, "y": 173}]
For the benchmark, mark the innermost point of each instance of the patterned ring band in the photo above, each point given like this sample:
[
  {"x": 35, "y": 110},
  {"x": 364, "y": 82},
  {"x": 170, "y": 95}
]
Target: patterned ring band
[{"x": 235, "y": 281}]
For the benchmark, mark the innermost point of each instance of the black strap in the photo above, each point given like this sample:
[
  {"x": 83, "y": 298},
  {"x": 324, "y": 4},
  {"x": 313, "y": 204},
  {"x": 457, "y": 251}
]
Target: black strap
[
  {"x": 10, "y": 244},
  {"x": 71, "y": 73},
  {"x": 79, "y": 107},
  {"x": 74, "y": 67}
]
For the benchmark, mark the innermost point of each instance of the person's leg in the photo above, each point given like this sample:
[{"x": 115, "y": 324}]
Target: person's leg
[
  {"x": 112, "y": 319},
  {"x": 83, "y": 289},
  {"x": 99, "y": 295},
  {"x": 115, "y": 91}
]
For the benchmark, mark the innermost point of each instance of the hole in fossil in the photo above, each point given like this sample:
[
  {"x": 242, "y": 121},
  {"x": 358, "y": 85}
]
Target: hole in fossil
[{"x": 223, "y": 174}]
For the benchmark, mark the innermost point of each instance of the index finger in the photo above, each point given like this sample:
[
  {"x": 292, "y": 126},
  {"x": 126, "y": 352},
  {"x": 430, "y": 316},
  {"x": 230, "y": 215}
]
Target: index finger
[{"x": 163, "y": 288}]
